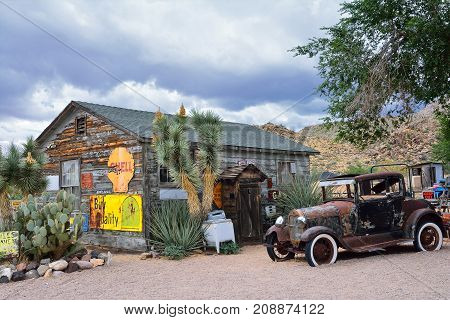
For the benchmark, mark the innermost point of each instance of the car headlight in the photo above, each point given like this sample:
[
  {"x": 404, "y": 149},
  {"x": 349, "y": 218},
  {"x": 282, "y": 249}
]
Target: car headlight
[
  {"x": 279, "y": 222},
  {"x": 301, "y": 220}
]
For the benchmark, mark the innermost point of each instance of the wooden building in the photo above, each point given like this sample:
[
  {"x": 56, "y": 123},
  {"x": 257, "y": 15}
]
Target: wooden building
[{"x": 104, "y": 155}]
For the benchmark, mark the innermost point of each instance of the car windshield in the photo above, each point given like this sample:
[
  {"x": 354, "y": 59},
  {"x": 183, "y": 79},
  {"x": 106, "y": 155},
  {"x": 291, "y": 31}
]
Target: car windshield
[
  {"x": 380, "y": 188},
  {"x": 338, "y": 189}
]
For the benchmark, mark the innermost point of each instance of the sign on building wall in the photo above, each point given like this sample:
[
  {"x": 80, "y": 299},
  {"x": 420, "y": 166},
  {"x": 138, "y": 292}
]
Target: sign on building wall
[
  {"x": 218, "y": 195},
  {"x": 116, "y": 212},
  {"x": 121, "y": 169},
  {"x": 87, "y": 181},
  {"x": 9, "y": 243}
]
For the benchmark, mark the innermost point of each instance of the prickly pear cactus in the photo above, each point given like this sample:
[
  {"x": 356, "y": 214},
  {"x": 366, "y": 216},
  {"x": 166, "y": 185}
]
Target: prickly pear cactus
[{"x": 47, "y": 231}]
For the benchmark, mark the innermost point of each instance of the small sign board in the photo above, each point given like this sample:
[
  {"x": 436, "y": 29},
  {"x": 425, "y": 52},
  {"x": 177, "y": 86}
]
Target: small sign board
[
  {"x": 9, "y": 243},
  {"x": 87, "y": 181}
]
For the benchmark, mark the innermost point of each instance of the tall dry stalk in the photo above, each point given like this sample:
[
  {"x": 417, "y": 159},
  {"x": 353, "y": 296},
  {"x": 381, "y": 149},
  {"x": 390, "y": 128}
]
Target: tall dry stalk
[
  {"x": 193, "y": 200},
  {"x": 209, "y": 178}
]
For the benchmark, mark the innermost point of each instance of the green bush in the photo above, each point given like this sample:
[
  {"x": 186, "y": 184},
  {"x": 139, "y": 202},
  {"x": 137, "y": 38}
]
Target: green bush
[
  {"x": 229, "y": 247},
  {"x": 175, "y": 232},
  {"x": 357, "y": 168},
  {"x": 302, "y": 192},
  {"x": 47, "y": 231},
  {"x": 174, "y": 252}
]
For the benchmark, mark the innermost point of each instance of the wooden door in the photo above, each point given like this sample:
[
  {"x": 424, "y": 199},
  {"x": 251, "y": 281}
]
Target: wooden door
[{"x": 250, "y": 226}]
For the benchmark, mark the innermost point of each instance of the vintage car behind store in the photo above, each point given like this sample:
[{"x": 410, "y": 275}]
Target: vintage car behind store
[{"x": 359, "y": 213}]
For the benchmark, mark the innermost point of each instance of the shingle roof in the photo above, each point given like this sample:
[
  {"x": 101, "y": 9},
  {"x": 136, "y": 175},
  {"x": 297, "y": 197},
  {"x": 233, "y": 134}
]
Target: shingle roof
[
  {"x": 233, "y": 172},
  {"x": 235, "y": 134}
]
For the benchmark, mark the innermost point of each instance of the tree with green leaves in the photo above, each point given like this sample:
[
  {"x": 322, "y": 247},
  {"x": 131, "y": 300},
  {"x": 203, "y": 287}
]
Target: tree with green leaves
[
  {"x": 173, "y": 151},
  {"x": 381, "y": 62},
  {"x": 21, "y": 171},
  {"x": 441, "y": 149}
]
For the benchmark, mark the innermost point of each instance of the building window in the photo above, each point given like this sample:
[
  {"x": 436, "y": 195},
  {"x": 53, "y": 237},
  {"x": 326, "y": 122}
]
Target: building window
[
  {"x": 286, "y": 172},
  {"x": 80, "y": 124},
  {"x": 70, "y": 179},
  {"x": 164, "y": 176}
]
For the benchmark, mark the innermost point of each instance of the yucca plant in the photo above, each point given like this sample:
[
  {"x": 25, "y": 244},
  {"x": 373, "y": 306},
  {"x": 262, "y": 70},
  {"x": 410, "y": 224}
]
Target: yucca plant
[
  {"x": 302, "y": 192},
  {"x": 208, "y": 126},
  {"x": 173, "y": 151},
  {"x": 174, "y": 231},
  {"x": 21, "y": 169}
]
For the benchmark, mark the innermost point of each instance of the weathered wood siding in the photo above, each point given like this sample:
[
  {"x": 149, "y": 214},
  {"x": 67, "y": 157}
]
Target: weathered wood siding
[
  {"x": 267, "y": 161},
  {"x": 93, "y": 150}
]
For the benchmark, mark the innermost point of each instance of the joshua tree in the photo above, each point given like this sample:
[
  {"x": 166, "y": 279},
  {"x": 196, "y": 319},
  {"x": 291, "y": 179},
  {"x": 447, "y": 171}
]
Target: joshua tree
[
  {"x": 172, "y": 148},
  {"x": 20, "y": 171}
]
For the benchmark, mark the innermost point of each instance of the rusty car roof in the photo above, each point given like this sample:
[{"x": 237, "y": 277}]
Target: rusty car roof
[{"x": 378, "y": 175}]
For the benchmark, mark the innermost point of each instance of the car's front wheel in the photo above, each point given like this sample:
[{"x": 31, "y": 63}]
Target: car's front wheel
[
  {"x": 277, "y": 251},
  {"x": 428, "y": 237},
  {"x": 321, "y": 250}
]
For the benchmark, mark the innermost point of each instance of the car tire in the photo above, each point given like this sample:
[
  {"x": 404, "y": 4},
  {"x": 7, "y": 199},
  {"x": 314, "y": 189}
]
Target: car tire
[
  {"x": 428, "y": 237},
  {"x": 274, "y": 253},
  {"x": 321, "y": 250}
]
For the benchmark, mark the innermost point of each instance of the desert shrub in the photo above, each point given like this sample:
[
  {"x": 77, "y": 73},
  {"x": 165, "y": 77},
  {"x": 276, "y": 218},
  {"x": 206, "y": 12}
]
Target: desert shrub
[
  {"x": 229, "y": 247},
  {"x": 47, "y": 231},
  {"x": 303, "y": 192},
  {"x": 175, "y": 252},
  {"x": 357, "y": 168},
  {"x": 175, "y": 232}
]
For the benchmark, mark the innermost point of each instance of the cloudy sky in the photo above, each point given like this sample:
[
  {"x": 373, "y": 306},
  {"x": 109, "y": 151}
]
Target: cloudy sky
[{"x": 230, "y": 56}]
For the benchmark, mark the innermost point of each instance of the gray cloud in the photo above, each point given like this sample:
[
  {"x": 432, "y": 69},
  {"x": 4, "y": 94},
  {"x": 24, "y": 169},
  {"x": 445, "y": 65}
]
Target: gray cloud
[{"x": 230, "y": 55}]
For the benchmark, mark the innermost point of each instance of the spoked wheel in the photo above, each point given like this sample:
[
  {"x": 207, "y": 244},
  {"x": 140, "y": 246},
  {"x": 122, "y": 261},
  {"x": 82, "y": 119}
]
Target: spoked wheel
[
  {"x": 428, "y": 237},
  {"x": 276, "y": 250},
  {"x": 321, "y": 250}
]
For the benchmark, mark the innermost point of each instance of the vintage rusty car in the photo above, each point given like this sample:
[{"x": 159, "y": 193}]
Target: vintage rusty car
[{"x": 359, "y": 213}]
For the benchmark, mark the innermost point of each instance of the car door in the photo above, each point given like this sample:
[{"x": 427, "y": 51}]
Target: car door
[
  {"x": 374, "y": 214},
  {"x": 396, "y": 196}
]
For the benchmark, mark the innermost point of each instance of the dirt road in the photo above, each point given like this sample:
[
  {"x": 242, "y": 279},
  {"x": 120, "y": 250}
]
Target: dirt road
[{"x": 399, "y": 273}]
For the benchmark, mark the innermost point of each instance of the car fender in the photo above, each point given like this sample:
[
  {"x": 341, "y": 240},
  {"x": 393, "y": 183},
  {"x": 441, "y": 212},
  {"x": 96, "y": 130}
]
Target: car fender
[
  {"x": 313, "y": 232},
  {"x": 409, "y": 227},
  {"x": 282, "y": 233}
]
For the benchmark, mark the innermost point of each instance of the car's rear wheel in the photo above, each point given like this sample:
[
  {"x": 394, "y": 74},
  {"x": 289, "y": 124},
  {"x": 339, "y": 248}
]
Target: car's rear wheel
[
  {"x": 278, "y": 251},
  {"x": 428, "y": 237},
  {"x": 321, "y": 250}
]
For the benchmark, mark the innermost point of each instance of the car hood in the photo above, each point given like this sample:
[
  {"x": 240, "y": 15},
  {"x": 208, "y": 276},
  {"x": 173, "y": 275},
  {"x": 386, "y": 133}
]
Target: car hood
[{"x": 328, "y": 209}]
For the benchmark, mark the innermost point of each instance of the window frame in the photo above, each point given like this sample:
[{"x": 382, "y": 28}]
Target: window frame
[
  {"x": 74, "y": 189},
  {"x": 288, "y": 165},
  {"x": 77, "y": 119},
  {"x": 169, "y": 183}
]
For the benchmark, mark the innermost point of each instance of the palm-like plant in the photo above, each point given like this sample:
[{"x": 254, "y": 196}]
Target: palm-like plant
[
  {"x": 20, "y": 170},
  {"x": 173, "y": 151},
  {"x": 209, "y": 128}
]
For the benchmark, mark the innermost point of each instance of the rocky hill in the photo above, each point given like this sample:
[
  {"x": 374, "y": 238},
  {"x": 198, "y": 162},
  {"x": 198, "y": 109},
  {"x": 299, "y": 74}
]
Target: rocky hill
[{"x": 411, "y": 143}]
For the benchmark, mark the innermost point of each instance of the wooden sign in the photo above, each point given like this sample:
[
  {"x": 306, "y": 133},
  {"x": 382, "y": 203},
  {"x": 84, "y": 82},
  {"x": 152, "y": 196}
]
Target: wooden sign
[
  {"x": 9, "y": 243},
  {"x": 97, "y": 210},
  {"x": 116, "y": 212},
  {"x": 121, "y": 169},
  {"x": 87, "y": 181},
  {"x": 218, "y": 195}
]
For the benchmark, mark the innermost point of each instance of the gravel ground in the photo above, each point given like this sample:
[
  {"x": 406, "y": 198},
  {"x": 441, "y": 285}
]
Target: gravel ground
[{"x": 399, "y": 273}]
